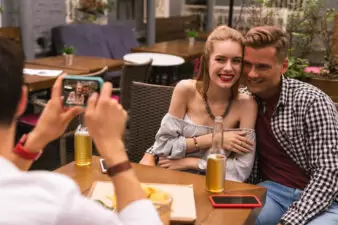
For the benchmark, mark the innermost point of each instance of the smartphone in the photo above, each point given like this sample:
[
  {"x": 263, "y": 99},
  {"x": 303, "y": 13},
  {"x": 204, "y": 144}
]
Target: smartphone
[
  {"x": 234, "y": 201},
  {"x": 103, "y": 166},
  {"x": 77, "y": 89}
]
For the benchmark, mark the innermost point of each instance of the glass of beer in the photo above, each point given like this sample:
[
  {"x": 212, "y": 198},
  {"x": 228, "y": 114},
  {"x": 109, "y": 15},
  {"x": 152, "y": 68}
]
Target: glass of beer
[
  {"x": 82, "y": 147},
  {"x": 215, "y": 174}
]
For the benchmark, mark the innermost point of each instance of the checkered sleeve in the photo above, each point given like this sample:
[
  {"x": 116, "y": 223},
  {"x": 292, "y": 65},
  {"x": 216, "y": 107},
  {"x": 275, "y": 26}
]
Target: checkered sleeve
[
  {"x": 321, "y": 140},
  {"x": 254, "y": 177}
]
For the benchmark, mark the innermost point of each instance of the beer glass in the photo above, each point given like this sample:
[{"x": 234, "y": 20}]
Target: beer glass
[{"x": 82, "y": 146}]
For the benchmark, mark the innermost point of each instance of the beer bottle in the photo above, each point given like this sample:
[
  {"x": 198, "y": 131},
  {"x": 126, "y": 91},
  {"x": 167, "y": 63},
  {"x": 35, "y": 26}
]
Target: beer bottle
[
  {"x": 82, "y": 146},
  {"x": 216, "y": 159}
]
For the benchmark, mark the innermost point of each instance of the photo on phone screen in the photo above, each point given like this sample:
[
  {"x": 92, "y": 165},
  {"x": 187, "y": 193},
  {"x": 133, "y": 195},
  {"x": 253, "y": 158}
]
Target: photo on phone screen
[{"x": 76, "y": 92}]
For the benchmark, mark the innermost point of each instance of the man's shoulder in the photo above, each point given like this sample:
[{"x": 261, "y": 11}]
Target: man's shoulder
[
  {"x": 49, "y": 183},
  {"x": 37, "y": 197},
  {"x": 302, "y": 92}
]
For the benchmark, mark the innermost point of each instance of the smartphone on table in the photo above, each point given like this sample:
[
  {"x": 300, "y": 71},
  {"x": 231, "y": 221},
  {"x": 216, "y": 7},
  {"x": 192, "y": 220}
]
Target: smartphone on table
[
  {"x": 235, "y": 201},
  {"x": 77, "y": 89}
]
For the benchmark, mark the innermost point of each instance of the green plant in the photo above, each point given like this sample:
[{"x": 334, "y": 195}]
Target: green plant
[
  {"x": 68, "y": 50},
  {"x": 296, "y": 68},
  {"x": 192, "y": 34},
  {"x": 330, "y": 68}
]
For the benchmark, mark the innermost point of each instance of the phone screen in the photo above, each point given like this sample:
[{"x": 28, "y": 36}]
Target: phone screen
[
  {"x": 77, "y": 92},
  {"x": 235, "y": 200}
]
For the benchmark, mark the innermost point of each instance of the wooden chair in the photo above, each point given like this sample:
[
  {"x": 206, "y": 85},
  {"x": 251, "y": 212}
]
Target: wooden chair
[
  {"x": 149, "y": 103},
  {"x": 12, "y": 33}
]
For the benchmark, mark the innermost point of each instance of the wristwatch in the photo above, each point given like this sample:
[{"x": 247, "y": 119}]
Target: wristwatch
[
  {"x": 118, "y": 168},
  {"x": 21, "y": 151}
]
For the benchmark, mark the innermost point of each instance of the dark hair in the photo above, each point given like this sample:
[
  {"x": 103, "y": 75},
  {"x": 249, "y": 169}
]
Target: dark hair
[
  {"x": 12, "y": 61},
  {"x": 264, "y": 36}
]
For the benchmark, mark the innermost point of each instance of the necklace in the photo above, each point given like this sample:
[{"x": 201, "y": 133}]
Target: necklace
[{"x": 207, "y": 108}]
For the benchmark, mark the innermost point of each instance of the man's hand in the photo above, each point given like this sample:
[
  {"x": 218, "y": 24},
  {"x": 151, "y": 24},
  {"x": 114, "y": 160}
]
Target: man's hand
[
  {"x": 178, "y": 164},
  {"x": 53, "y": 120},
  {"x": 106, "y": 120}
]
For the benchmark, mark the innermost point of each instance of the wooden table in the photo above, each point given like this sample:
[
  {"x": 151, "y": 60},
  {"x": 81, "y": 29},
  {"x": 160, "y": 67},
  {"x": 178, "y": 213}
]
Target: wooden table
[
  {"x": 206, "y": 214},
  {"x": 203, "y": 36},
  {"x": 89, "y": 63},
  {"x": 35, "y": 83},
  {"x": 176, "y": 47}
]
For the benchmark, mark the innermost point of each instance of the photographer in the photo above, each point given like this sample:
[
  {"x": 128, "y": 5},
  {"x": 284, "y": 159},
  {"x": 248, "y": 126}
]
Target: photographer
[{"x": 39, "y": 198}]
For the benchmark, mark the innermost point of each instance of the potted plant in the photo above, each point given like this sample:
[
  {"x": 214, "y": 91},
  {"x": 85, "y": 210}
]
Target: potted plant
[
  {"x": 191, "y": 36},
  {"x": 68, "y": 54},
  {"x": 297, "y": 69},
  {"x": 310, "y": 34}
]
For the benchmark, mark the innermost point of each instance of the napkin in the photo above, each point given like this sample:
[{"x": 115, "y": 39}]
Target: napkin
[{"x": 43, "y": 73}]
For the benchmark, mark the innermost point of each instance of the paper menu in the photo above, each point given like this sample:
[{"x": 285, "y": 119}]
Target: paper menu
[
  {"x": 183, "y": 206},
  {"x": 44, "y": 73}
]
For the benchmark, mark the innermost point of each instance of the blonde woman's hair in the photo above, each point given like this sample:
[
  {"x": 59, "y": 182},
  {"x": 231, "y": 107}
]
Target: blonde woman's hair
[
  {"x": 220, "y": 33},
  {"x": 265, "y": 36}
]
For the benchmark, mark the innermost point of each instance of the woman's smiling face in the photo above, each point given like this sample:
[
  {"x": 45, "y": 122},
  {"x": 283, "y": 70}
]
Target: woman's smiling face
[{"x": 225, "y": 63}]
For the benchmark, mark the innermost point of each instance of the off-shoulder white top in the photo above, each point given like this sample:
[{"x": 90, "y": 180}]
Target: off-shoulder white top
[{"x": 170, "y": 142}]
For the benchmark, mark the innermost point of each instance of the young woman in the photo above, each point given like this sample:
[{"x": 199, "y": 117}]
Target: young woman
[{"x": 186, "y": 130}]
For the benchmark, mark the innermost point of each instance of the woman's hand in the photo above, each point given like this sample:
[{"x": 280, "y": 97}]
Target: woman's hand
[
  {"x": 148, "y": 160},
  {"x": 236, "y": 141},
  {"x": 178, "y": 164}
]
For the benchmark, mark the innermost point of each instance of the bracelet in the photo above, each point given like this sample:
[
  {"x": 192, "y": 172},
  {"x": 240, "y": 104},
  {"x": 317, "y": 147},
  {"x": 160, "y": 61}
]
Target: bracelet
[
  {"x": 196, "y": 144},
  {"x": 118, "y": 168}
]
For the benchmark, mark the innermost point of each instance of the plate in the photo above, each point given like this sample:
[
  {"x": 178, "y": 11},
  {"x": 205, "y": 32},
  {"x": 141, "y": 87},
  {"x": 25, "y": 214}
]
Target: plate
[{"x": 183, "y": 206}]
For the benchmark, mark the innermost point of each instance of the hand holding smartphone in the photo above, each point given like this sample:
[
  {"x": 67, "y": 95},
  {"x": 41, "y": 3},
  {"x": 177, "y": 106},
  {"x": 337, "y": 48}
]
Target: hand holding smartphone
[
  {"x": 234, "y": 201},
  {"x": 77, "y": 89}
]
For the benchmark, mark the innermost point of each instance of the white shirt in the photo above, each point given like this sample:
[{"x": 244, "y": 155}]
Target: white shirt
[{"x": 44, "y": 198}]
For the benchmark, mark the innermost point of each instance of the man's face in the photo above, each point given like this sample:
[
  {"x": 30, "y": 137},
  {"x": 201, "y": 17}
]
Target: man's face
[
  {"x": 85, "y": 90},
  {"x": 263, "y": 70}
]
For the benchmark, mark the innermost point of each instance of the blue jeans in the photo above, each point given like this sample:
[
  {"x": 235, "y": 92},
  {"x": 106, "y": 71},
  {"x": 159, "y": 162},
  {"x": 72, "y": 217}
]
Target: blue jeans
[{"x": 280, "y": 197}]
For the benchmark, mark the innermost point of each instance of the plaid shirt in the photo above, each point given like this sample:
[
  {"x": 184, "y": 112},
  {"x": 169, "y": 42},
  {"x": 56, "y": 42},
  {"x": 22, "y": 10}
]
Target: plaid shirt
[{"x": 305, "y": 123}]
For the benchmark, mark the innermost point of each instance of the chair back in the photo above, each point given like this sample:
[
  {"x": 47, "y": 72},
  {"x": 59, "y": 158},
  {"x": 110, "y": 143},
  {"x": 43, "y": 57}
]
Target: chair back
[
  {"x": 149, "y": 103},
  {"x": 99, "y": 73},
  {"x": 132, "y": 72},
  {"x": 12, "y": 33}
]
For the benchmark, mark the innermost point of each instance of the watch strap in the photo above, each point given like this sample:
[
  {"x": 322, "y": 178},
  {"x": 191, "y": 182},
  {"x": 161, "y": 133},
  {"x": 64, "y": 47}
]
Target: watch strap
[
  {"x": 118, "y": 168},
  {"x": 21, "y": 151}
]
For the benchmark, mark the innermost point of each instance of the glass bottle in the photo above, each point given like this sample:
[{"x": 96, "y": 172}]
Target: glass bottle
[{"x": 216, "y": 159}]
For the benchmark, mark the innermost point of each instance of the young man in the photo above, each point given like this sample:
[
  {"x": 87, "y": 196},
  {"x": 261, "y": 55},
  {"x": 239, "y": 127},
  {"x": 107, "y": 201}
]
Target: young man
[
  {"x": 297, "y": 137},
  {"x": 39, "y": 198}
]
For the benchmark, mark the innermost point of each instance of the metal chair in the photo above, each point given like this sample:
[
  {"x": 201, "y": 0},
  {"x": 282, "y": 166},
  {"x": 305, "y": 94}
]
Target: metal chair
[{"x": 149, "y": 103}]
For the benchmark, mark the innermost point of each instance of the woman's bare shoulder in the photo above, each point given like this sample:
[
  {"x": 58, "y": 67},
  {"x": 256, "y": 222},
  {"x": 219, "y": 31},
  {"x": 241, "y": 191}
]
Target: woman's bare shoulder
[
  {"x": 246, "y": 100},
  {"x": 186, "y": 88}
]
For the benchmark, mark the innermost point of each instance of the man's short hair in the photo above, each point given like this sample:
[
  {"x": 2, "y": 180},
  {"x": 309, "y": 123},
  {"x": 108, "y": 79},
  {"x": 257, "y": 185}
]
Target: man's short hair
[
  {"x": 265, "y": 36},
  {"x": 12, "y": 61}
]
